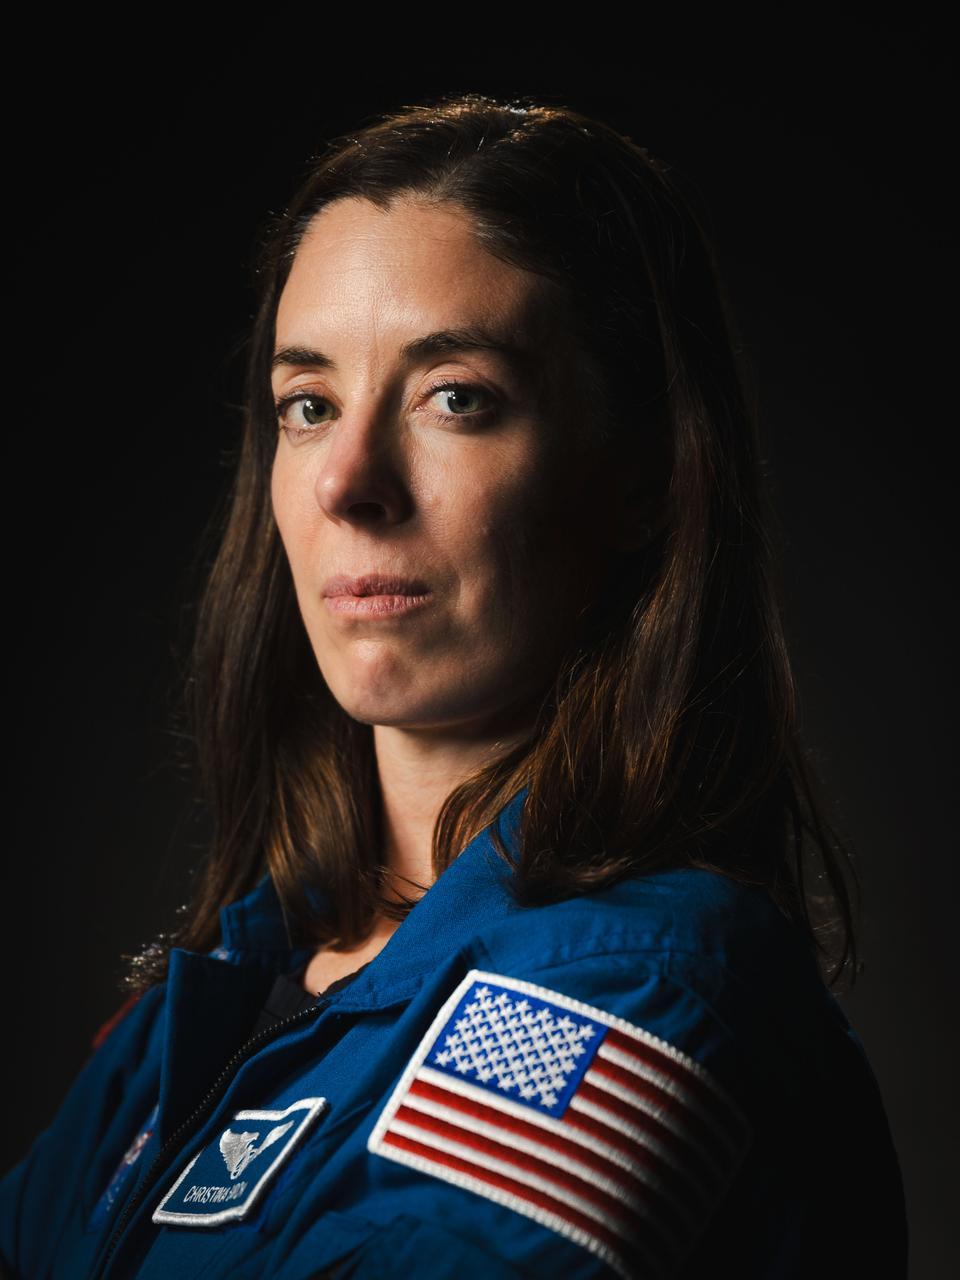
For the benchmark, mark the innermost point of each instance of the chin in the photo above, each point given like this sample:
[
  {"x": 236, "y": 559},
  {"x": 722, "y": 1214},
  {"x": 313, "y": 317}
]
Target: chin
[
  {"x": 376, "y": 685},
  {"x": 382, "y": 701},
  {"x": 406, "y": 709},
  {"x": 395, "y": 719}
]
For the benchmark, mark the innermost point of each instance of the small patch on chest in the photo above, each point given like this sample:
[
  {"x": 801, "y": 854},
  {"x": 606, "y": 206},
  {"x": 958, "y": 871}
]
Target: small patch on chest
[{"x": 229, "y": 1176}]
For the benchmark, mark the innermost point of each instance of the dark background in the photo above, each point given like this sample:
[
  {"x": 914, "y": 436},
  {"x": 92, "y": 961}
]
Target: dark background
[{"x": 148, "y": 168}]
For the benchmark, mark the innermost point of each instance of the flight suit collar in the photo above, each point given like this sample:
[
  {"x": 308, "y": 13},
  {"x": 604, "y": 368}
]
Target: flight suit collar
[
  {"x": 255, "y": 923},
  {"x": 473, "y": 891}
]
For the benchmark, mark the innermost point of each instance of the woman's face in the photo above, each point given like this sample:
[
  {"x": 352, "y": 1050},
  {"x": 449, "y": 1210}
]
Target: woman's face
[{"x": 471, "y": 496}]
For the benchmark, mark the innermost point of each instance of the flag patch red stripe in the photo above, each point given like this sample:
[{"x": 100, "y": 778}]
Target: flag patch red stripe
[
  {"x": 691, "y": 1125},
  {"x": 682, "y": 1152},
  {"x": 569, "y": 1144},
  {"x": 516, "y": 1188},
  {"x": 710, "y": 1099},
  {"x": 619, "y": 1207}
]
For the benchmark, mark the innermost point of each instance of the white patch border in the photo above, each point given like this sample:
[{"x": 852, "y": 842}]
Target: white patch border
[{"x": 314, "y": 1107}]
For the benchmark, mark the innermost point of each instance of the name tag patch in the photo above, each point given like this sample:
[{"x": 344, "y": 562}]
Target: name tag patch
[{"x": 229, "y": 1176}]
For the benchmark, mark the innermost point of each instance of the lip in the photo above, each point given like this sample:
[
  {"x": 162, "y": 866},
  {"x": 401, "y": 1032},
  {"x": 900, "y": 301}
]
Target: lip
[
  {"x": 374, "y": 606},
  {"x": 374, "y": 595},
  {"x": 374, "y": 584}
]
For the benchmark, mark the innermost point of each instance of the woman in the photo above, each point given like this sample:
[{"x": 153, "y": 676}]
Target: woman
[{"x": 506, "y": 960}]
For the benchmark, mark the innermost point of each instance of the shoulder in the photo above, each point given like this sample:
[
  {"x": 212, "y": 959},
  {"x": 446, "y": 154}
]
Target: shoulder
[
  {"x": 696, "y": 926},
  {"x": 687, "y": 908},
  {"x": 703, "y": 962}
]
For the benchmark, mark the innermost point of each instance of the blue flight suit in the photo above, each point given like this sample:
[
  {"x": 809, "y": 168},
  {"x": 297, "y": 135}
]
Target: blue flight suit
[{"x": 649, "y": 1080}]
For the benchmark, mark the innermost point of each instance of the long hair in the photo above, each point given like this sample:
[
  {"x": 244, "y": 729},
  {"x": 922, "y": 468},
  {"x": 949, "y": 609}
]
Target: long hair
[{"x": 669, "y": 736}]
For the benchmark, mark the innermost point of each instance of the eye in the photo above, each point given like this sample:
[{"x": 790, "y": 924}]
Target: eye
[
  {"x": 312, "y": 407},
  {"x": 465, "y": 400}
]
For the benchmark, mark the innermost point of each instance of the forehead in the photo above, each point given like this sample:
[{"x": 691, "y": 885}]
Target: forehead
[{"x": 407, "y": 268}]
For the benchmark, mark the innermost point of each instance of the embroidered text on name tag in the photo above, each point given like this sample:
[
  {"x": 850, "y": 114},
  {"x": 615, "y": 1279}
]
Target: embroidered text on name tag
[{"x": 229, "y": 1176}]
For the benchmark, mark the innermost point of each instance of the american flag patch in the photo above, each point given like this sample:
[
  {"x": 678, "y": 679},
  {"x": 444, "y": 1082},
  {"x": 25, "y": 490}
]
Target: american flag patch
[{"x": 592, "y": 1126}]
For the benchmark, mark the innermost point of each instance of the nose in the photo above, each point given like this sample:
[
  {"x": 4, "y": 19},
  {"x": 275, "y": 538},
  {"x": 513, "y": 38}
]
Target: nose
[{"x": 362, "y": 479}]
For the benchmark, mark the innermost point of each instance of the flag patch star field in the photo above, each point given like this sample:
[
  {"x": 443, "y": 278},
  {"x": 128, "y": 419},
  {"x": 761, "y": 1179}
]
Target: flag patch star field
[{"x": 592, "y": 1126}]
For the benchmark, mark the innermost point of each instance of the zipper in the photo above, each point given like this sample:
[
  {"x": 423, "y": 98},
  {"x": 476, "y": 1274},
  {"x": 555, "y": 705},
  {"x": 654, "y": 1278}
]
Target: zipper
[{"x": 200, "y": 1113}]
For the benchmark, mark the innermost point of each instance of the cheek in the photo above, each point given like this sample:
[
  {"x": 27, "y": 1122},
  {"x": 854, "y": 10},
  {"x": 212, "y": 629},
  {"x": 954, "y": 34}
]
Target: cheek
[
  {"x": 291, "y": 508},
  {"x": 508, "y": 530},
  {"x": 484, "y": 510}
]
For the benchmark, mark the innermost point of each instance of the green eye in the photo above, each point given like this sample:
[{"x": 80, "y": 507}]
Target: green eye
[
  {"x": 310, "y": 413},
  {"x": 459, "y": 392},
  {"x": 312, "y": 416}
]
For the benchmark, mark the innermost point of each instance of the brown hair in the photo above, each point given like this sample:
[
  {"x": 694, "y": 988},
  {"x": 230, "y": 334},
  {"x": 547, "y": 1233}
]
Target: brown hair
[{"x": 669, "y": 737}]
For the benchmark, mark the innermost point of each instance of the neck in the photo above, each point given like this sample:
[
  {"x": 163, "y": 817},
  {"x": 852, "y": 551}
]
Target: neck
[{"x": 418, "y": 769}]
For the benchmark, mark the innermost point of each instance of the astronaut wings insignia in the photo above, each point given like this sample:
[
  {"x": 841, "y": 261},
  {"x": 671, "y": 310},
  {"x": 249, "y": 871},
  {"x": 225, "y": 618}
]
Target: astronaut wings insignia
[
  {"x": 593, "y": 1126},
  {"x": 238, "y": 1149}
]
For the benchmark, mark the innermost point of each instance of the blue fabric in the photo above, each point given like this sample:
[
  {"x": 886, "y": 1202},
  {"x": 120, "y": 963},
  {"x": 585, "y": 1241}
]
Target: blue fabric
[{"x": 708, "y": 967}]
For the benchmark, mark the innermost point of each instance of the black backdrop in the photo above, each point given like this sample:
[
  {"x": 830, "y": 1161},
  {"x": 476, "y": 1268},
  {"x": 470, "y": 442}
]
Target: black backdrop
[{"x": 148, "y": 164}]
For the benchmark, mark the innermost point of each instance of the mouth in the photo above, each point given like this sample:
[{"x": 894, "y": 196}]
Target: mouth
[
  {"x": 374, "y": 606},
  {"x": 374, "y": 584},
  {"x": 374, "y": 595}
]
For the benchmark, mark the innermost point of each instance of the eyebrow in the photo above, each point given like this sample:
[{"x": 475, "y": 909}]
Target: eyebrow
[{"x": 442, "y": 342}]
